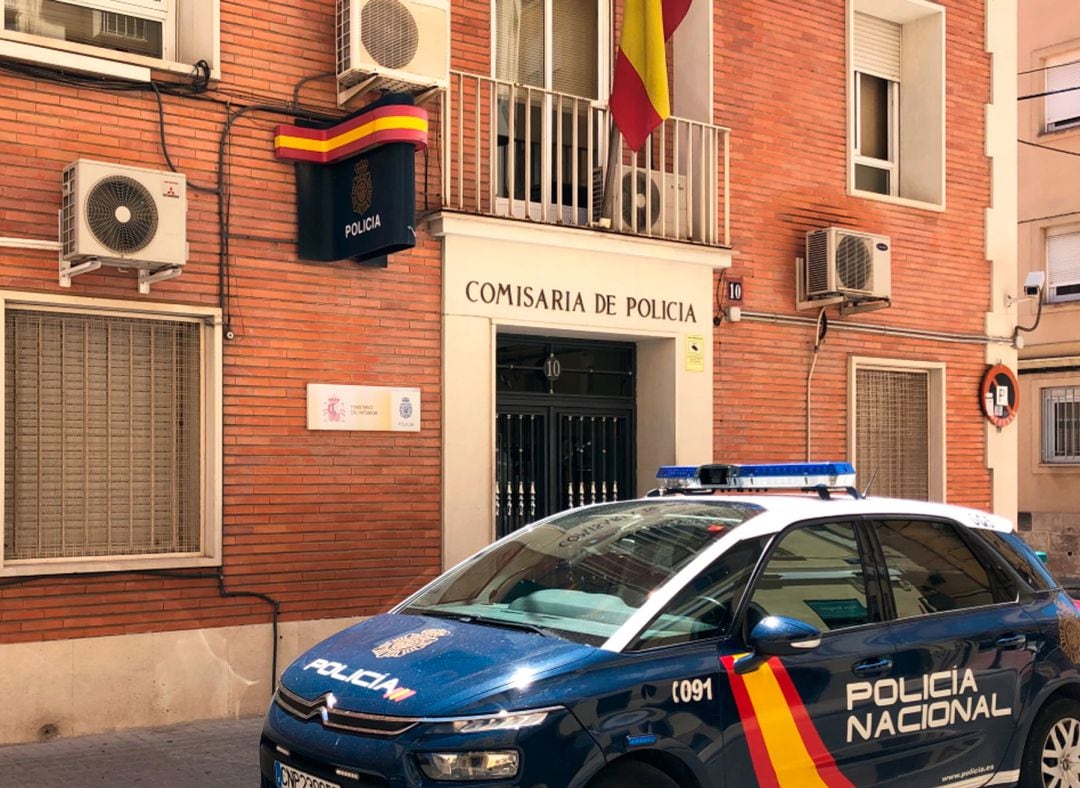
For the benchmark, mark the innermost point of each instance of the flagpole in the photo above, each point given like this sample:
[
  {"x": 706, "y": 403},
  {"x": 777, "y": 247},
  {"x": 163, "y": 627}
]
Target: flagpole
[{"x": 609, "y": 174}]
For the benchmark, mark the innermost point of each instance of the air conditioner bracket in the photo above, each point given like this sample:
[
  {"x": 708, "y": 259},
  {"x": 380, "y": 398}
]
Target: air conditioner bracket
[
  {"x": 69, "y": 271},
  {"x": 147, "y": 278},
  {"x": 854, "y": 307}
]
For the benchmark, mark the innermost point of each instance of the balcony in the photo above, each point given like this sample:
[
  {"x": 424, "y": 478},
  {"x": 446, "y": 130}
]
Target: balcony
[{"x": 525, "y": 153}]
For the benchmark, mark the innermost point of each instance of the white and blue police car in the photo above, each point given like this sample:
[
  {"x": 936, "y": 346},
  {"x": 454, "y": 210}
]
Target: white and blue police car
[{"x": 706, "y": 635}]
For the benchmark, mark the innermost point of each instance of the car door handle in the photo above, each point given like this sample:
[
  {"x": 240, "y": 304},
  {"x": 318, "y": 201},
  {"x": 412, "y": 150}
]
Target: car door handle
[
  {"x": 1012, "y": 641},
  {"x": 873, "y": 666}
]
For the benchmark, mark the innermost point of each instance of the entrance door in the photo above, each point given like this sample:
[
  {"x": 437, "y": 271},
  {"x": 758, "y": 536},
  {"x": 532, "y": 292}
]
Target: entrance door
[{"x": 564, "y": 426}]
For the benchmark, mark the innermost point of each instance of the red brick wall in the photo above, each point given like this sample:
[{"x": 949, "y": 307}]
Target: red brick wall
[
  {"x": 330, "y": 524},
  {"x": 336, "y": 524},
  {"x": 780, "y": 85}
]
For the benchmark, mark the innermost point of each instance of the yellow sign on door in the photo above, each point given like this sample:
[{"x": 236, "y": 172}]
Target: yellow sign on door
[{"x": 695, "y": 352}]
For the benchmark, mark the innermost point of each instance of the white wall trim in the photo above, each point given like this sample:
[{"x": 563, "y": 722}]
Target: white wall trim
[
  {"x": 211, "y": 465},
  {"x": 29, "y": 243},
  {"x": 937, "y": 415},
  {"x": 467, "y": 225},
  {"x": 58, "y": 57}
]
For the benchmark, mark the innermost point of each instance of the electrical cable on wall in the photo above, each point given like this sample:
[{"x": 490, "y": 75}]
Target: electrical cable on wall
[
  {"x": 1033, "y": 326},
  {"x": 821, "y": 329}
]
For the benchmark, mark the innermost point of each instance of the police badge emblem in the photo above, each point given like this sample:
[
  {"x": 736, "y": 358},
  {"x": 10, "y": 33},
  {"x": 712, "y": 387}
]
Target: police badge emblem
[
  {"x": 1068, "y": 629},
  {"x": 407, "y": 644},
  {"x": 361, "y": 187},
  {"x": 405, "y": 408}
]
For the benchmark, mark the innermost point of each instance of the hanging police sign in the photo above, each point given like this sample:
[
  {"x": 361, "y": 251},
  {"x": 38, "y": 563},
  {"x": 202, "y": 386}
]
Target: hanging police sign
[{"x": 355, "y": 181}]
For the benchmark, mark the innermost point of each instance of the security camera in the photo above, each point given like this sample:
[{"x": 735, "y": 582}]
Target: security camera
[{"x": 1033, "y": 285}]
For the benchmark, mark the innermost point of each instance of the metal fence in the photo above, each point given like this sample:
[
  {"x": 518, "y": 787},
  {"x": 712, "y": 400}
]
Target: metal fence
[{"x": 527, "y": 153}]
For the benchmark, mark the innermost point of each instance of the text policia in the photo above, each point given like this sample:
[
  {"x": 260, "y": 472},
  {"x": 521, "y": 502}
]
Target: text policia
[{"x": 909, "y": 705}]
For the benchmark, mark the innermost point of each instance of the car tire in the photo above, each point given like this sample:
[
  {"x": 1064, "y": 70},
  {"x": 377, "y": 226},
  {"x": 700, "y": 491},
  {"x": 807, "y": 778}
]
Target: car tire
[
  {"x": 632, "y": 774},
  {"x": 1054, "y": 740}
]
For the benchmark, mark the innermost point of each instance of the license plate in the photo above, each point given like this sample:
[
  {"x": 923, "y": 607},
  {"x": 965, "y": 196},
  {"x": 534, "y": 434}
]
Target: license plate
[{"x": 287, "y": 777}]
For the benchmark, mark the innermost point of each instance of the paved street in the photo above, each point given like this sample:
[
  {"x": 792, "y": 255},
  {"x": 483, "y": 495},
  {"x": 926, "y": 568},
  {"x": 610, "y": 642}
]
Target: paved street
[{"x": 215, "y": 754}]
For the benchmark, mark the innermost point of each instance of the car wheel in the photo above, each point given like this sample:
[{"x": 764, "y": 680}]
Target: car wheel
[
  {"x": 632, "y": 774},
  {"x": 1052, "y": 754}
]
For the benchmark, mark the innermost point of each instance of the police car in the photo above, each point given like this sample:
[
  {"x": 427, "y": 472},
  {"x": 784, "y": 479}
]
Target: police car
[{"x": 699, "y": 638}]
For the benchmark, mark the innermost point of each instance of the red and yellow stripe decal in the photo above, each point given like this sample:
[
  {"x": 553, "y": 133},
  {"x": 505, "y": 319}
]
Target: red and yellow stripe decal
[
  {"x": 380, "y": 126},
  {"x": 785, "y": 747}
]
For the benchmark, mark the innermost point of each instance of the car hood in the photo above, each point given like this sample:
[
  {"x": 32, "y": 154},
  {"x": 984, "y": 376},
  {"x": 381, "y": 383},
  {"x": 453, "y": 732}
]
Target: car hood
[{"x": 409, "y": 665}]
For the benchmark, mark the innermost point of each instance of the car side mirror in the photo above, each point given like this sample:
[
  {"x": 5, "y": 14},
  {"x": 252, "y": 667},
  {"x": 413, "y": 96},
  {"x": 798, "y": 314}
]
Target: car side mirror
[{"x": 780, "y": 636}]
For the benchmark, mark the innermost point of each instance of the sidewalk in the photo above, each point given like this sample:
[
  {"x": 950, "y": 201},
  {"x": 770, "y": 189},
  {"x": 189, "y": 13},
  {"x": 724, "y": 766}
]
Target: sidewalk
[{"x": 212, "y": 754}]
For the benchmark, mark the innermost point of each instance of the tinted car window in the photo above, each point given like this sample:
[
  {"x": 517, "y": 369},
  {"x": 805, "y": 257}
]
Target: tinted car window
[
  {"x": 1020, "y": 557},
  {"x": 931, "y": 569},
  {"x": 815, "y": 575},
  {"x": 705, "y": 606}
]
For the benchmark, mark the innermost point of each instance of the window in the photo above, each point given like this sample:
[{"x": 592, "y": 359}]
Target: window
[
  {"x": 1063, "y": 266},
  {"x": 704, "y": 608},
  {"x": 896, "y": 427},
  {"x": 1061, "y": 424},
  {"x": 931, "y": 569},
  {"x": 1063, "y": 74},
  {"x": 897, "y": 84},
  {"x": 110, "y": 440},
  {"x": 815, "y": 575},
  {"x": 171, "y": 34},
  {"x": 876, "y": 102},
  {"x": 551, "y": 58}
]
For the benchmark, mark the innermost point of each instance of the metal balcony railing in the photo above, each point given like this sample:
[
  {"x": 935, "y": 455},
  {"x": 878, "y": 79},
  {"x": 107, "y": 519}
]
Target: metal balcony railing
[{"x": 526, "y": 153}]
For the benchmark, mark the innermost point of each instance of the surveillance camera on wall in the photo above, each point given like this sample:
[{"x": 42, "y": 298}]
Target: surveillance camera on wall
[{"x": 1033, "y": 285}]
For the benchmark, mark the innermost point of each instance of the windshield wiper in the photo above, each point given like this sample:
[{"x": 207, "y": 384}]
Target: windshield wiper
[{"x": 472, "y": 618}]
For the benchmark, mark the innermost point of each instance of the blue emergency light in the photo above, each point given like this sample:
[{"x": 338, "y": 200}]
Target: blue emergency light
[{"x": 778, "y": 476}]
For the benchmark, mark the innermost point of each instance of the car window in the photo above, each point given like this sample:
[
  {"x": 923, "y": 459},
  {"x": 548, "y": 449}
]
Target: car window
[
  {"x": 814, "y": 574},
  {"x": 1019, "y": 556},
  {"x": 931, "y": 569},
  {"x": 705, "y": 606},
  {"x": 583, "y": 573}
]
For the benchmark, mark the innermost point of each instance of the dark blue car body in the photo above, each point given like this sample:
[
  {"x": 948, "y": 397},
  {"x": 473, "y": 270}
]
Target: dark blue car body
[{"x": 945, "y": 698}]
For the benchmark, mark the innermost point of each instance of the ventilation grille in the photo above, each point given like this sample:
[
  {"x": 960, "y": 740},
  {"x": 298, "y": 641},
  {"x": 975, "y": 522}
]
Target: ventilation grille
[
  {"x": 344, "y": 35},
  {"x": 389, "y": 33},
  {"x": 817, "y": 262},
  {"x": 121, "y": 214},
  {"x": 854, "y": 263},
  {"x": 640, "y": 200}
]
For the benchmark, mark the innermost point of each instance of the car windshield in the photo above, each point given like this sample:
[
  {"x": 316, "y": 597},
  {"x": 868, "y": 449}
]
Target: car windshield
[{"x": 582, "y": 574}]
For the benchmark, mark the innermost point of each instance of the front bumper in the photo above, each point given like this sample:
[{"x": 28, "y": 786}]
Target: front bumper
[{"x": 559, "y": 752}]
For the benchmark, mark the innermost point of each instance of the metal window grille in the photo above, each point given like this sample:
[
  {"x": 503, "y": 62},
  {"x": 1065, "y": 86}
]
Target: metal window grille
[
  {"x": 1061, "y": 424},
  {"x": 102, "y": 435},
  {"x": 892, "y": 432}
]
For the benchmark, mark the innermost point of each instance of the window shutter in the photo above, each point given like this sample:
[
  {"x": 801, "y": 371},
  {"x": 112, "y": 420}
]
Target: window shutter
[
  {"x": 574, "y": 41},
  {"x": 877, "y": 47},
  {"x": 892, "y": 438},
  {"x": 102, "y": 448},
  {"x": 1063, "y": 108},
  {"x": 1063, "y": 260}
]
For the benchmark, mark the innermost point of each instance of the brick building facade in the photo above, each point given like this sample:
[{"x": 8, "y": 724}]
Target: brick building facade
[{"x": 253, "y": 518}]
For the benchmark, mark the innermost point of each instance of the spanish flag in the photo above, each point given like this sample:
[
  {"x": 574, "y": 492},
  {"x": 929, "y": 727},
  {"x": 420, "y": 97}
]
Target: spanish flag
[{"x": 639, "y": 94}]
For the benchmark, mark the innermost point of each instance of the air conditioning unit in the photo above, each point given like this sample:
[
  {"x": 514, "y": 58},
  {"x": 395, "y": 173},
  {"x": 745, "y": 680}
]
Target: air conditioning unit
[
  {"x": 394, "y": 45},
  {"x": 641, "y": 208},
  {"x": 841, "y": 262},
  {"x": 124, "y": 216}
]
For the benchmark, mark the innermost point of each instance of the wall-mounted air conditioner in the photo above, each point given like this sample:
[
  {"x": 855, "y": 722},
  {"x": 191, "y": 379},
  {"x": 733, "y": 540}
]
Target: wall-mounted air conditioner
[
  {"x": 125, "y": 216},
  {"x": 847, "y": 263},
  {"x": 653, "y": 203},
  {"x": 394, "y": 45}
]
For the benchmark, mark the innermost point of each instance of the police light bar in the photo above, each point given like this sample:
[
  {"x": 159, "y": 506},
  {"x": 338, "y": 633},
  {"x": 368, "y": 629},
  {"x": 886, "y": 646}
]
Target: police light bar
[{"x": 782, "y": 476}]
